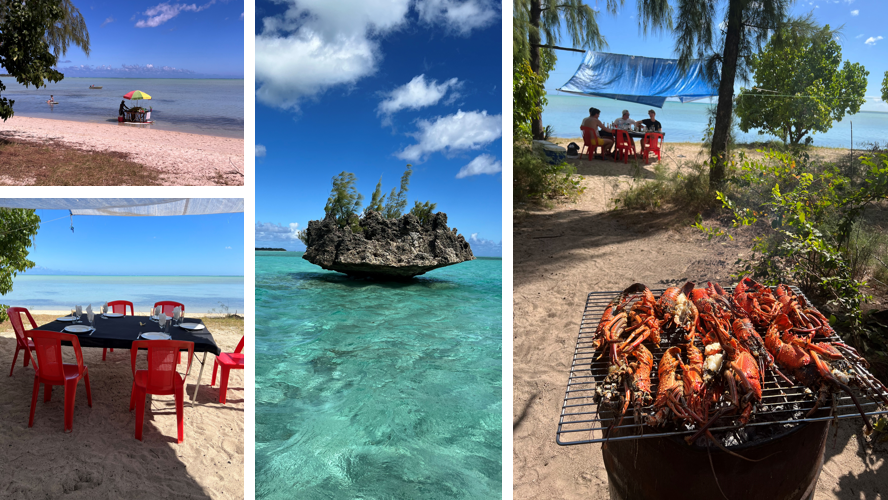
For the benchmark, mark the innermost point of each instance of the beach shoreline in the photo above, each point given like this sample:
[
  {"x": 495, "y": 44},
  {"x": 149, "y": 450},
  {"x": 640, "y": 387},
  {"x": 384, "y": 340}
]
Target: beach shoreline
[
  {"x": 179, "y": 158},
  {"x": 106, "y": 121}
]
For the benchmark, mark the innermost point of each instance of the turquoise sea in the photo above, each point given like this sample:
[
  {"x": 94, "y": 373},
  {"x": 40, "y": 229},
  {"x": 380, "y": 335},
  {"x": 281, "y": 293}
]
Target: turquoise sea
[
  {"x": 378, "y": 390},
  {"x": 198, "y": 106},
  {"x": 686, "y": 122},
  {"x": 59, "y": 293}
]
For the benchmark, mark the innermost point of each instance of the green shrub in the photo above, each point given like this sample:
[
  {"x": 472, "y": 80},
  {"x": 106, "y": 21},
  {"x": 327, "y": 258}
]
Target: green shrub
[
  {"x": 688, "y": 190},
  {"x": 537, "y": 180}
]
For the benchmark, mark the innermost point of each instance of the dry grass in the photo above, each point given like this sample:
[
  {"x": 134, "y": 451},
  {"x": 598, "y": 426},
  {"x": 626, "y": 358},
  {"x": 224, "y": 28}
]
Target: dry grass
[{"x": 54, "y": 164}]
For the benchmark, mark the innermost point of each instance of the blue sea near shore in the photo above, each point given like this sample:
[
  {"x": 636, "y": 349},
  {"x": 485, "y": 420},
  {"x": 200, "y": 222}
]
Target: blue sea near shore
[
  {"x": 200, "y": 294},
  {"x": 199, "y": 106},
  {"x": 686, "y": 122},
  {"x": 378, "y": 390}
]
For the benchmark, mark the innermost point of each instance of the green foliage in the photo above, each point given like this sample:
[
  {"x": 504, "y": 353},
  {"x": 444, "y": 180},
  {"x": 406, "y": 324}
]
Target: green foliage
[
  {"x": 528, "y": 97},
  {"x": 377, "y": 201},
  {"x": 809, "y": 214},
  {"x": 810, "y": 91},
  {"x": 344, "y": 202},
  {"x": 537, "y": 180},
  {"x": 885, "y": 88},
  {"x": 17, "y": 231},
  {"x": 24, "y": 50},
  {"x": 71, "y": 28},
  {"x": 423, "y": 211},
  {"x": 688, "y": 190},
  {"x": 397, "y": 202}
]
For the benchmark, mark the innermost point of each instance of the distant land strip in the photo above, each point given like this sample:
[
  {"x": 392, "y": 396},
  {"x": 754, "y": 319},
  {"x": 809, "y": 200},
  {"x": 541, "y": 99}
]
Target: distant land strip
[{"x": 271, "y": 249}]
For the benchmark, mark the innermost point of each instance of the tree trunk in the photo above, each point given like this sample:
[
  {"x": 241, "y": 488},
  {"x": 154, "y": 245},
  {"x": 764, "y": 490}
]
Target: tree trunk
[
  {"x": 536, "y": 11},
  {"x": 725, "y": 106}
]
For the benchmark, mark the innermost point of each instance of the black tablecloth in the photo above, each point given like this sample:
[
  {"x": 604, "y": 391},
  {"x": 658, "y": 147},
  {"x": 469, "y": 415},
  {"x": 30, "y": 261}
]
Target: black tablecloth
[
  {"x": 640, "y": 135},
  {"x": 119, "y": 333}
]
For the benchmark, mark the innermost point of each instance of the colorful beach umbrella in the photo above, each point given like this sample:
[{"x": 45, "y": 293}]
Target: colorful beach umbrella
[{"x": 136, "y": 94}]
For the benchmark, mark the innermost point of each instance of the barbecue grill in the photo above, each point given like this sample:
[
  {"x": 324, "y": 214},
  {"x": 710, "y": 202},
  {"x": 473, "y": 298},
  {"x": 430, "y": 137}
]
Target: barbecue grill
[{"x": 779, "y": 427}]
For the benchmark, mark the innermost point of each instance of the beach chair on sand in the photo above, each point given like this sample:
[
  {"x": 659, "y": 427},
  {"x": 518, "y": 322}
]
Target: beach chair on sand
[
  {"x": 651, "y": 144},
  {"x": 22, "y": 343},
  {"x": 119, "y": 307},
  {"x": 50, "y": 371},
  {"x": 167, "y": 307},
  {"x": 160, "y": 378},
  {"x": 228, "y": 361},
  {"x": 623, "y": 146},
  {"x": 590, "y": 141}
]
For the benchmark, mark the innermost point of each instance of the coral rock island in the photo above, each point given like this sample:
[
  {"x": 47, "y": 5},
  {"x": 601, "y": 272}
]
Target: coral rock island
[{"x": 391, "y": 249}]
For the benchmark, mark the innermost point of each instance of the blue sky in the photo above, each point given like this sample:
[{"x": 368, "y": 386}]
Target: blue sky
[
  {"x": 184, "y": 245},
  {"x": 367, "y": 87},
  {"x": 865, "y": 40},
  {"x": 145, "y": 39}
]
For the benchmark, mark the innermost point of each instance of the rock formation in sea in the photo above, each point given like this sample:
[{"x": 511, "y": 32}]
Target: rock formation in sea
[{"x": 385, "y": 248}]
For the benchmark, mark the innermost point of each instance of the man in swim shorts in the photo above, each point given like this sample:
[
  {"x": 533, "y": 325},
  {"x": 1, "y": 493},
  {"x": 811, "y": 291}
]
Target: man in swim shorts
[{"x": 595, "y": 124}]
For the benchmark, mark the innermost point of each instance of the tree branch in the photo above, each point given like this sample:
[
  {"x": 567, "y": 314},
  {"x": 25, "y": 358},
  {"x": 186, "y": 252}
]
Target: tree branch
[{"x": 557, "y": 48}]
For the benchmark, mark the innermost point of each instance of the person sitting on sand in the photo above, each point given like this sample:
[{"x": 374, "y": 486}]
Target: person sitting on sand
[
  {"x": 595, "y": 124},
  {"x": 122, "y": 108},
  {"x": 625, "y": 122},
  {"x": 652, "y": 123}
]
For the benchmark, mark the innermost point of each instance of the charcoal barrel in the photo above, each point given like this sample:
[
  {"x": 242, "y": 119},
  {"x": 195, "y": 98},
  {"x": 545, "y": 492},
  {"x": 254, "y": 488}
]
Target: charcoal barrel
[{"x": 668, "y": 468}]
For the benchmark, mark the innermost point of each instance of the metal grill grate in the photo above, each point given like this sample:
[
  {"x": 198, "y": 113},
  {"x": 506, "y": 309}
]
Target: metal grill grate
[{"x": 782, "y": 404}]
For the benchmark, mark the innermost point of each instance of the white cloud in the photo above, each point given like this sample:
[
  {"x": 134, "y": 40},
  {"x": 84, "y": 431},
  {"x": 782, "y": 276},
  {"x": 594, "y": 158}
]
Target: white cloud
[
  {"x": 859, "y": 36},
  {"x": 484, "y": 164},
  {"x": 415, "y": 94},
  {"x": 319, "y": 44},
  {"x": 855, "y": 12},
  {"x": 269, "y": 231},
  {"x": 485, "y": 248},
  {"x": 109, "y": 20},
  {"x": 260, "y": 150},
  {"x": 242, "y": 15},
  {"x": 162, "y": 13},
  {"x": 227, "y": 248},
  {"x": 872, "y": 40},
  {"x": 457, "y": 132},
  {"x": 460, "y": 17}
]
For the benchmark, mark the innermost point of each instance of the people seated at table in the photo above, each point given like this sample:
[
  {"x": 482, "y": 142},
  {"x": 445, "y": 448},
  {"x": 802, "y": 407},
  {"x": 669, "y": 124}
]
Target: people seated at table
[
  {"x": 652, "y": 123},
  {"x": 595, "y": 124},
  {"x": 624, "y": 123}
]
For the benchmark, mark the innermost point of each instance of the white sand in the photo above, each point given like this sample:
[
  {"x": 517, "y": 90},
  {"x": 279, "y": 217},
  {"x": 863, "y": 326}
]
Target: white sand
[
  {"x": 101, "y": 458},
  {"x": 183, "y": 159}
]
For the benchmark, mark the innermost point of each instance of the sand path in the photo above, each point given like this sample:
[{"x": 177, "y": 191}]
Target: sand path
[
  {"x": 563, "y": 254},
  {"x": 182, "y": 159},
  {"x": 101, "y": 458}
]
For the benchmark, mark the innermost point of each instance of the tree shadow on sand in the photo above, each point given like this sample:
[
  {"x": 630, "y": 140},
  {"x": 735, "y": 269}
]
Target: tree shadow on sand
[
  {"x": 872, "y": 482},
  {"x": 610, "y": 168}
]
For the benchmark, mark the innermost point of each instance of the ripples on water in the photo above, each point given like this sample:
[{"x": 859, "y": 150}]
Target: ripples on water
[
  {"x": 378, "y": 390},
  {"x": 209, "y": 106}
]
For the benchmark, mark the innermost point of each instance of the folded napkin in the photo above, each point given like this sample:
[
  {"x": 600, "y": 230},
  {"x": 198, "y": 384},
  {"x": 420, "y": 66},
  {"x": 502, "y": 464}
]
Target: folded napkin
[
  {"x": 162, "y": 319},
  {"x": 104, "y": 308},
  {"x": 89, "y": 313},
  {"x": 78, "y": 310},
  {"x": 157, "y": 311},
  {"x": 177, "y": 313}
]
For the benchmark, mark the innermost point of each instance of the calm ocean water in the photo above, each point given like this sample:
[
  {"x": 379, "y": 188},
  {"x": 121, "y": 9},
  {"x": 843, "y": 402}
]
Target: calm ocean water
[
  {"x": 210, "y": 107},
  {"x": 378, "y": 390},
  {"x": 686, "y": 122},
  {"x": 198, "y": 293}
]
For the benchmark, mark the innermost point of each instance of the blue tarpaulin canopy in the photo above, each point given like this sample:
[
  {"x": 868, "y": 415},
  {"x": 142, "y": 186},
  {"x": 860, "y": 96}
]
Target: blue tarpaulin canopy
[{"x": 645, "y": 80}]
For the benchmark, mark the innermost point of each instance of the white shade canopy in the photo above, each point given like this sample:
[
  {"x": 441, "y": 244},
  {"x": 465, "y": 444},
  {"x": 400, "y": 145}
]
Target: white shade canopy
[{"x": 134, "y": 207}]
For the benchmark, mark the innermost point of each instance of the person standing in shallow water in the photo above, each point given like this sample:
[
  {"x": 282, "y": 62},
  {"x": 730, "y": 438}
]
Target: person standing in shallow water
[{"x": 123, "y": 108}]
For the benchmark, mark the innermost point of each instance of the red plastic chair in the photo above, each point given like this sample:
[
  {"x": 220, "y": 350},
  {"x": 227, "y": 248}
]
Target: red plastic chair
[
  {"x": 50, "y": 371},
  {"x": 623, "y": 146},
  {"x": 167, "y": 307},
  {"x": 651, "y": 144},
  {"x": 228, "y": 361},
  {"x": 590, "y": 142},
  {"x": 118, "y": 306},
  {"x": 160, "y": 378},
  {"x": 21, "y": 340}
]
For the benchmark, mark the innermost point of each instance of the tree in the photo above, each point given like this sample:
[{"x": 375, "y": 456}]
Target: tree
[
  {"x": 70, "y": 29},
  {"x": 799, "y": 88},
  {"x": 397, "y": 202},
  {"x": 747, "y": 25},
  {"x": 537, "y": 26},
  {"x": 423, "y": 211},
  {"x": 24, "y": 50},
  {"x": 885, "y": 88},
  {"x": 17, "y": 231},
  {"x": 344, "y": 202},
  {"x": 528, "y": 98},
  {"x": 377, "y": 201}
]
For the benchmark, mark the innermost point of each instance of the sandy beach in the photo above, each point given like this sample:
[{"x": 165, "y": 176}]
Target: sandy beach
[
  {"x": 179, "y": 159},
  {"x": 101, "y": 458},
  {"x": 564, "y": 253}
]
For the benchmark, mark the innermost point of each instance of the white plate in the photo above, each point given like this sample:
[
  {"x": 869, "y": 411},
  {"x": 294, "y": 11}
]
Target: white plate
[
  {"x": 77, "y": 329},
  {"x": 155, "y": 336},
  {"x": 113, "y": 315},
  {"x": 192, "y": 326},
  {"x": 67, "y": 318}
]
